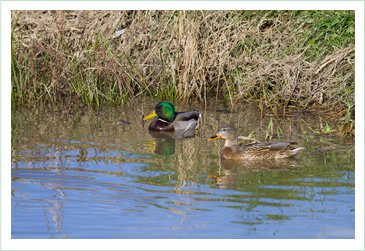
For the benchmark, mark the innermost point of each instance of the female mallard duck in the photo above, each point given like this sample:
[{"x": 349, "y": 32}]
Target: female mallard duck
[
  {"x": 170, "y": 120},
  {"x": 252, "y": 151}
]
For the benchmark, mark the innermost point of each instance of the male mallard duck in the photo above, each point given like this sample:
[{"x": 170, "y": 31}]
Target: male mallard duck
[
  {"x": 252, "y": 151},
  {"x": 169, "y": 120}
]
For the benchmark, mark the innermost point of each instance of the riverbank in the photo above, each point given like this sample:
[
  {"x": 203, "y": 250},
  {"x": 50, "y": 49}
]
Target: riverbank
[{"x": 283, "y": 60}]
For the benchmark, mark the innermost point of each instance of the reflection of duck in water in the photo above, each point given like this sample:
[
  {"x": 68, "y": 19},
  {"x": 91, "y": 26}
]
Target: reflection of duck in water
[
  {"x": 170, "y": 120},
  {"x": 262, "y": 165},
  {"x": 229, "y": 178},
  {"x": 164, "y": 143},
  {"x": 258, "y": 151}
]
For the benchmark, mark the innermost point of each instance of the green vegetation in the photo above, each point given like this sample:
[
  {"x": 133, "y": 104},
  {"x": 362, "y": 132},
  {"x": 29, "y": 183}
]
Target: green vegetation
[{"x": 281, "y": 59}]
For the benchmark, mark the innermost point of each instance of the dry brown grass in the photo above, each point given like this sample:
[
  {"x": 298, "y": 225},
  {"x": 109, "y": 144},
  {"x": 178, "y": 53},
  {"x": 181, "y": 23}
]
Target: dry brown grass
[{"x": 267, "y": 56}]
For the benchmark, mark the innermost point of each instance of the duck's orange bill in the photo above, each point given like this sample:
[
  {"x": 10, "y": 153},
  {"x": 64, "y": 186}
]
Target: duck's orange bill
[{"x": 214, "y": 137}]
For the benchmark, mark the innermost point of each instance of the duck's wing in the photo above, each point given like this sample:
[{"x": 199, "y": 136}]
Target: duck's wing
[
  {"x": 186, "y": 120},
  {"x": 187, "y": 116},
  {"x": 278, "y": 146}
]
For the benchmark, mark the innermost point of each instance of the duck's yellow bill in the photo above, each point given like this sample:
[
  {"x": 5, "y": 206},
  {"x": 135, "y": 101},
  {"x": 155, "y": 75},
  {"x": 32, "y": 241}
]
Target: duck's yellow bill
[
  {"x": 214, "y": 137},
  {"x": 151, "y": 115}
]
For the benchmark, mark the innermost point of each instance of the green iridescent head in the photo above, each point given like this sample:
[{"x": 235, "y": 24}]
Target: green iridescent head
[{"x": 164, "y": 110}]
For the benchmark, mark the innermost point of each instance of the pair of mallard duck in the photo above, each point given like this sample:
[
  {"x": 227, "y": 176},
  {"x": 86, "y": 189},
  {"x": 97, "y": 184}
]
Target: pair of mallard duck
[{"x": 170, "y": 120}]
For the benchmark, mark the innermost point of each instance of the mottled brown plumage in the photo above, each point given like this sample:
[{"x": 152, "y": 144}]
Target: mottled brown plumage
[{"x": 231, "y": 150}]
